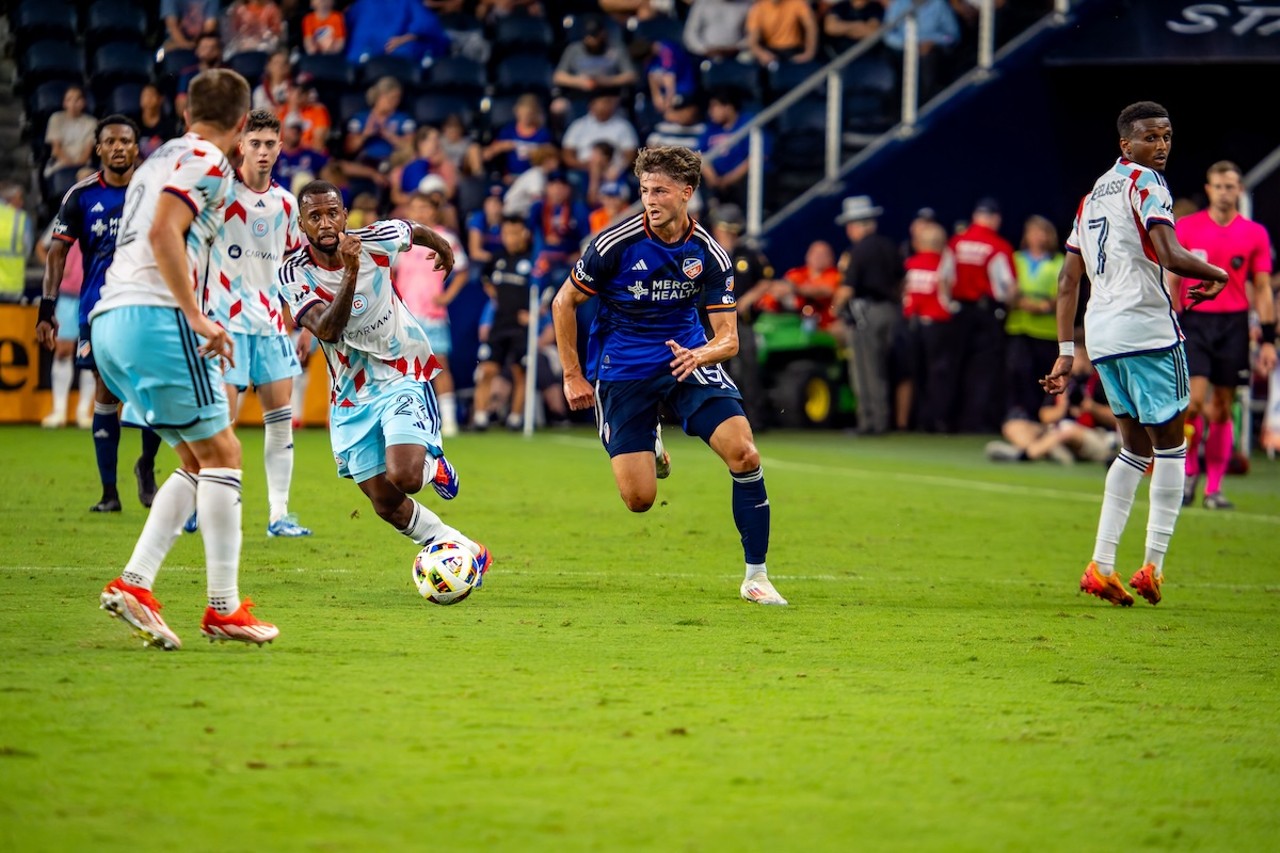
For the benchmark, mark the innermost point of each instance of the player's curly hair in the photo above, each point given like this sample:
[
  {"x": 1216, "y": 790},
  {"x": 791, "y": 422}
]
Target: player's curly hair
[
  {"x": 679, "y": 164},
  {"x": 1137, "y": 112},
  {"x": 116, "y": 118},
  {"x": 314, "y": 188},
  {"x": 261, "y": 120}
]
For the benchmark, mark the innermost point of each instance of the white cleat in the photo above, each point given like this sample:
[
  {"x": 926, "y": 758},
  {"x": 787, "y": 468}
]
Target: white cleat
[
  {"x": 759, "y": 589},
  {"x": 661, "y": 458},
  {"x": 139, "y": 609}
]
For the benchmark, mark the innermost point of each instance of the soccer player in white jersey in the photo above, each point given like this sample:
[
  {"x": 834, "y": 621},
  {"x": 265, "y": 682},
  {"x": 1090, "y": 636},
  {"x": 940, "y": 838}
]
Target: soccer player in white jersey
[
  {"x": 259, "y": 229},
  {"x": 146, "y": 333},
  {"x": 384, "y": 423},
  {"x": 1123, "y": 239}
]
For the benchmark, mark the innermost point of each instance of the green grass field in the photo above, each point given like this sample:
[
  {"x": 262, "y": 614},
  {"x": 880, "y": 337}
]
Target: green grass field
[{"x": 936, "y": 684}]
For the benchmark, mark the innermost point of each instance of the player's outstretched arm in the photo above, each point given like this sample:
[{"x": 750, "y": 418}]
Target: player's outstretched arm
[
  {"x": 1068, "y": 298},
  {"x": 722, "y": 346},
  {"x": 54, "y": 266},
  {"x": 564, "y": 315},
  {"x": 424, "y": 236},
  {"x": 1179, "y": 261},
  {"x": 168, "y": 237}
]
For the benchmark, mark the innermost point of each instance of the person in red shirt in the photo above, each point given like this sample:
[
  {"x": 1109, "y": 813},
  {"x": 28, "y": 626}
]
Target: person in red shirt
[
  {"x": 926, "y": 351},
  {"x": 816, "y": 283},
  {"x": 323, "y": 30},
  {"x": 984, "y": 282}
]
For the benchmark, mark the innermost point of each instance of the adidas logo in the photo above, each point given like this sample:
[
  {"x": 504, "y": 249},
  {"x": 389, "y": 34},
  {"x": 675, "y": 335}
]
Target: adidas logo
[
  {"x": 97, "y": 208},
  {"x": 102, "y": 433},
  {"x": 641, "y": 265},
  {"x": 260, "y": 204}
]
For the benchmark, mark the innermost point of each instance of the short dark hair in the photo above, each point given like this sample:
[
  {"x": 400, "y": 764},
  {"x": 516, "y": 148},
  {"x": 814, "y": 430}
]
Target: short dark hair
[
  {"x": 218, "y": 96},
  {"x": 1221, "y": 167},
  {"x": 116, "y": 118},
  {"x": 317, "y": 188},
  {"x": 1137, "y": 112},
  {"x": 262, "y": 120},
  {"x": 679, "y": 164},
  {"x": 514, "y": 219}
]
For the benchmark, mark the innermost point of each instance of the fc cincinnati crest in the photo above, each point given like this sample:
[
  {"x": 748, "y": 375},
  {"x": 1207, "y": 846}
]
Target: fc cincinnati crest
[
  {"x": 259, "y": 227},
  {"x": 692, "y": 267},
  {"x": 358, "y": 304}
]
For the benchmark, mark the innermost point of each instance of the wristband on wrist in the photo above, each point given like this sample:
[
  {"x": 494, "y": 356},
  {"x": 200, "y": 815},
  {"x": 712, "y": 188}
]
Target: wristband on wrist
[
  {"x": 1066, "y": 349},
  {"x": 1269, "y": 335},
  {"x": 47, "y": 308}
]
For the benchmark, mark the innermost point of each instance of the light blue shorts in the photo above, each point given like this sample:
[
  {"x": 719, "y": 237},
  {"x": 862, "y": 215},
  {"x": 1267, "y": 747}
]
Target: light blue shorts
[
  {"x": 67, "y": 312},
  {"x": 402, "y": 414},
  {"x": 1152, "y": 387},
  {"x": 438, "y": 336},
  {"x": 261, "y": 360},
  {"x": 147, "y": 356}
]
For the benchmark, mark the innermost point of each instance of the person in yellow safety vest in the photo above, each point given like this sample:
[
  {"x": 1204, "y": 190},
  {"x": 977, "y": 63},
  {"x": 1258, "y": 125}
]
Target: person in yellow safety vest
[
  {"x": 16, "y": 239},
  {"x": 1032, "y": 325}
]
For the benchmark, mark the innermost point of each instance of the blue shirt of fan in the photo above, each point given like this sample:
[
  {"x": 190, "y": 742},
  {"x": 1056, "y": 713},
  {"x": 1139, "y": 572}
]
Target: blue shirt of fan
[
  {"x": 649, "y": 293},
  {"x": 518, "y": 161},
  {"x": 490, "y": 235},
  {"x": 90, "y": 214},
  {"x": 291, "y": 163}
]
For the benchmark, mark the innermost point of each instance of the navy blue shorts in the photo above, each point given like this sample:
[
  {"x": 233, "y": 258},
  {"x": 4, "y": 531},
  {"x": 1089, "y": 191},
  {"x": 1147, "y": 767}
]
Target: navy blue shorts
[{"x": 627, "y": 410}]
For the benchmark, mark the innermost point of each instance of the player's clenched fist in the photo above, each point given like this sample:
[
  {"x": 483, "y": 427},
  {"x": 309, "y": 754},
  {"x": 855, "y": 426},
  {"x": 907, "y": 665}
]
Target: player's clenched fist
[
  {"x": 349, "y": 251},
  {"x": 579, "y": 393}
]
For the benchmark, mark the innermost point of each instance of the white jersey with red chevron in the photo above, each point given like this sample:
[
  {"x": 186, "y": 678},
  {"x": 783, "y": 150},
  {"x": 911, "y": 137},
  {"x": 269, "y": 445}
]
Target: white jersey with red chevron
[
  {"x": 259, "y": 229},
  {"x": 382, "y": 345},
  {"x": 195, "y": 171},
  {"x": 1129, "y": 309}
]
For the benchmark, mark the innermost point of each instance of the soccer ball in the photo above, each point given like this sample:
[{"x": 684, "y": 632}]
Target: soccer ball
[{"x": 445, "y": 572}]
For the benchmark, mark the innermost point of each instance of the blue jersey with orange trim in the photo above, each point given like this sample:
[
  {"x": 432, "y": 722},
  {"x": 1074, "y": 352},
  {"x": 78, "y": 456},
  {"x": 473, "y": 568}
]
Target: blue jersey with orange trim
[
  {"x": 649, "y": 293},
  {"x": 90, "y": 214}
]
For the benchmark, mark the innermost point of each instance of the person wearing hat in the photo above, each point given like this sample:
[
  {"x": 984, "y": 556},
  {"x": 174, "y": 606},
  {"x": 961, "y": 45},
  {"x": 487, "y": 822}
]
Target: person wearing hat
[
  {"x": 436, "y": 188},
  {"x": 869, "y": 301},
  {"x": 984, "y": 282},
  {"x": 595, "y": 62},
  {"x": 614, "y": 197}
]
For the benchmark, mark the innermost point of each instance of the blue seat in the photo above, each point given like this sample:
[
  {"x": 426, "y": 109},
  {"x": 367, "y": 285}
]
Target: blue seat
[
  {"x": 574, "y": 27},
  {"x": 124, "y": 99},
  {"x": 44, "y": 61},
  {"x": 785, "y": 76},
  {"x": 458, "y": 75},
  {"x": 501, "y": 111},
  {"x": 801, "y": 140},
  {"x": 870, "y": 95},
  {"x": 524, "y": 72},
  {"x": 737, "y": 75},
  {"x": 121, "y": 62},
  {"x": 433, "y": 108},
  {"x": 519, "y": 33},
  {"x": 325, "y": 70},
  {"x": 114, "y": 21},
  {"x": 659, "y": 28},
  {"x": 249, "y": 65},
  {"x": 403, "y": 69},
  {"x": 33, "y": 21}
]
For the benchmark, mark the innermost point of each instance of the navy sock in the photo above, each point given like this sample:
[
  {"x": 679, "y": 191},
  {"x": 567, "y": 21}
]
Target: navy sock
[
  {"x": 106, "y": 446},
  {"x": 751, "y": 514},
  {"x": 150, "y": 446}
]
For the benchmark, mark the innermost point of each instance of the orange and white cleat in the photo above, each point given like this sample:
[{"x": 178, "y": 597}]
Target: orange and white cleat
[
  {"x": 1106, "y": 587},
  {"x": 241, "y": 626},
  {"x": 139, "y": 608},
  {"x": 1146, "y": 583}
]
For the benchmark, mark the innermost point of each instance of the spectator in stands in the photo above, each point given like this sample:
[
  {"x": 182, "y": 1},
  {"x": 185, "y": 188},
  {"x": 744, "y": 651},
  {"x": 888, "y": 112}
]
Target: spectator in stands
[
  {"x": 492, "y": 10},
  {"x": 724, "y": 173},
  {"x": 670, "y": 71},
  {"x": 460, "y": 147},
  {"x": 374, "y": 133},
  {"x": 17, "y": 238},
  {"x": 984, "y": 282},
  {"x": 602, "y": 123},
  {"x": 208, "y": 55},
  {"x": 437, "y": 191},
  {"x": 782, "y": 31},
  {"x": 186, "y": 20},
  {"x": 70, "y": 137},
  {"x": 848, "y": 22},
  {"x": 938, "y": 33},
  {"x": 681, "y": 124},
  {"x": 518, "y": 138},
  {"x": 324, "y": 31},
  {"x": 925, "y": 350},
  {"x": 614, "y": 198},
  {"x": 297, "y": 164},
  {"x": 156, "y": 124},
  {"x": 1031, "y": 327},
  {"x": 304, "y": 107},
  {"x": 484, "y": 230},
  {"x": 717, "y": 29},
  {"x": 506, "y": 281},
  {"x": 870, "y": 303},
  {"x": 559, "y": 224},
  {"x": 428, "y": 159},
  {"x": 816, "y": 283},
  {"x": 531, "y": 185},
  {"x": 394, "y": 27},
  {"x": 335, "y": 172},
  {"x": 277, "y": 82},
  {"x": 364, "y": 210},
  {"x": 594, "y": 63},
  {"x": 253, "y": 26}
]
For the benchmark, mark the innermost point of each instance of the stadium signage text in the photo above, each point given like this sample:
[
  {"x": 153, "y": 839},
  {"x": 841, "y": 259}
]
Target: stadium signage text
[{"x": 1201, "y": 18}]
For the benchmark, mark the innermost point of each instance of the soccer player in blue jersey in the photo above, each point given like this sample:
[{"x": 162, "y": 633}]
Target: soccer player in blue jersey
[
  {"x": 90, "y": 213},
  {"x": 647, "y": 348}
]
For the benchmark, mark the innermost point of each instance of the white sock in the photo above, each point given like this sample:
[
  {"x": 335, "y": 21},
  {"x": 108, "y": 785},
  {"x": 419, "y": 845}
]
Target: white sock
[
  {"x": 425, "y": 526},
  {"x": 218, "y": 497},
  {"x": 61, "y": 372},
  {"x": 277, "y": 453},
  {"x": 429, "y": 468},
  {"x": 1123, "y": 477},
  {"x": 174, "y": 501},
  {"x": 88, "y": 385},
  {"x": 299, "y": 395},
  {"x": 1167, "y": 479},
  {"x": 756, "y": 569},
  {"x": 448, "y": 411}
]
